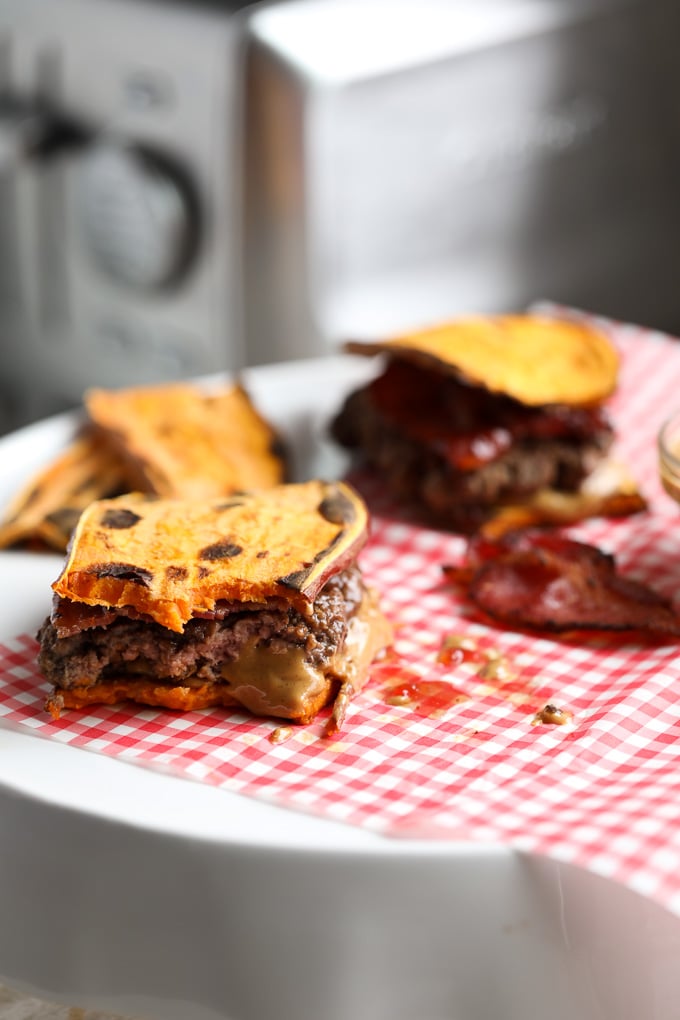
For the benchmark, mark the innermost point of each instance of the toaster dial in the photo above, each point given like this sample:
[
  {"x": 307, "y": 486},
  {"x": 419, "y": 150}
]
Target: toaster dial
[{"x": 137, "y": 217}]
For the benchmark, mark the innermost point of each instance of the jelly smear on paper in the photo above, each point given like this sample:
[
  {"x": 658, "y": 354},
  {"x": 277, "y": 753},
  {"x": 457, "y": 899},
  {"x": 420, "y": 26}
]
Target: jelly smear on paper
[
  {"x": 402, "y": 685},
  {"x": 457, "y": 649},
  {"x": 425, "y": 697}
]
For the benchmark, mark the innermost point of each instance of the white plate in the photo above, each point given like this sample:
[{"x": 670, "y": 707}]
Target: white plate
[
  {"x": 296, "y": 397},
  {"x": 136, "y": 891}
]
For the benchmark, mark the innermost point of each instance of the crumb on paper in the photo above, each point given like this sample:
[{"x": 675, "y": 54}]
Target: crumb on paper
[
  {"x": 552, "y": 715},
  {"x": 280, "y": 734}
]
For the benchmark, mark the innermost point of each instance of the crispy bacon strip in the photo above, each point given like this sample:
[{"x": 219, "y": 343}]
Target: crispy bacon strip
[{"x": 548, "y": 582}]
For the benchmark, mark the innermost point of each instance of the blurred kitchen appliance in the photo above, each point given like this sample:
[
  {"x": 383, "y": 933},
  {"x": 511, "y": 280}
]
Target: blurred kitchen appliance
[
  {"x": 117, "y": 194},
  {"x": 191, "y": 186},
  {"x": 411, "y": 161}
]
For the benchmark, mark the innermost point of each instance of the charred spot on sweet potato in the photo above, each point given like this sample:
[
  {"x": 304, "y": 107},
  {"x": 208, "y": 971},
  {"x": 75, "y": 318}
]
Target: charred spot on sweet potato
[
  {"x": 65, "y": 517},
  {"x": 297, "y": 578},
  {"x": 123, "y": 572},
  {"x": 119, "y": 518},
  {"x": 337, "y": 508},
  {"x": 175, "y": 573},
  {"x": 223, "y": 550},
  {"x": 230, "y": 504},
  {"x": 278, "y": 448}
]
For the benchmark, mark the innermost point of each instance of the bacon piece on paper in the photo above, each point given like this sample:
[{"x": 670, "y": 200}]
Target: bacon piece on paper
[{"x": 548, "y": 582}]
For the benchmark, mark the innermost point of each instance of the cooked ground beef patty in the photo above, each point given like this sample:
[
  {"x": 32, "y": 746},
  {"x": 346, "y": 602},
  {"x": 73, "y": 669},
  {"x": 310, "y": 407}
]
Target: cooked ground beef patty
[
  {"x": 409, "y": 435},
  {"x": 135, "y": 646}
]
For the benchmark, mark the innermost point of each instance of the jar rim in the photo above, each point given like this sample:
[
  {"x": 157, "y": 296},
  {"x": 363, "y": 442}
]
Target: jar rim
[{"x": 670, "y": 425}]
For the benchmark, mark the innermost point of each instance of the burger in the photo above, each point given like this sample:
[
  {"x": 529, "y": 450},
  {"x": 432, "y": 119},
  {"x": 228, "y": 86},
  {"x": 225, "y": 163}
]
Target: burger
[
  {"x": 255, "y": 601},
  {"x": 492, "y": 422}
]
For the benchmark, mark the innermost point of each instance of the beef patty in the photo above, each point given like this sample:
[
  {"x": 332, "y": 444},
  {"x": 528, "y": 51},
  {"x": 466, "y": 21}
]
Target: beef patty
[
  {"x": 143, "y": 647},
  {"x": 458, "y": 451}
]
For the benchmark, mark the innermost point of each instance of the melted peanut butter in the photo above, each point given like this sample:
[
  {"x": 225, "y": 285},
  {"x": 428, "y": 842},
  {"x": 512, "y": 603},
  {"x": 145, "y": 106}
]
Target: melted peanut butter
[
  {"x": 282, "y": 684},
  {"x": 288, "y": 686}
]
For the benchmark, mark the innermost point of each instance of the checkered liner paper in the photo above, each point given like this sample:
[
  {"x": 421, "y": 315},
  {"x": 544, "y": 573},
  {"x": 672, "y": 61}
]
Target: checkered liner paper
[{"x": 602, "y": 792}]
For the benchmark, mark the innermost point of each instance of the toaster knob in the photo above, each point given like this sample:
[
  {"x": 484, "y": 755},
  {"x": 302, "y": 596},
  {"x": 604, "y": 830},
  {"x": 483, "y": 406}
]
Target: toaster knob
[{"x": 137, "y": 216}]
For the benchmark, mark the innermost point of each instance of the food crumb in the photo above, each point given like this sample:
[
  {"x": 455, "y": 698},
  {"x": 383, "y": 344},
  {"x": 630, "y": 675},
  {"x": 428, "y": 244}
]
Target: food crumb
[
  {"x": 552, "y": 715},
  {"x": 280, "y": 734},
  {"x": 497, "y": 668}
]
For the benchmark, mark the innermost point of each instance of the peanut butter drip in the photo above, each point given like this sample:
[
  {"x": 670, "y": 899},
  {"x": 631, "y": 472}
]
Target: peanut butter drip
[{"x": 288, "y": 686}]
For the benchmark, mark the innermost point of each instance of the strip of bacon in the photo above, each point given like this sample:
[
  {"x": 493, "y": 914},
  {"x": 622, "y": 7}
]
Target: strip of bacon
[
  {"x": 470, "y": 426},
  {"x": 545, "y": 581}
]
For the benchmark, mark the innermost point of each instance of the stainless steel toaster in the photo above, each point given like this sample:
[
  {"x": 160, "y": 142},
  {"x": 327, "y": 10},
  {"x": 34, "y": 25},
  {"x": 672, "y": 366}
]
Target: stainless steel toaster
[{"x": 118, "y": 149}]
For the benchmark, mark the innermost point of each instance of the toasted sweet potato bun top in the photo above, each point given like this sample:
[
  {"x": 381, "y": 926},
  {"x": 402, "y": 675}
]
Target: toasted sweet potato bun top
[
  {"x": 173, "y": 559},
  {"x": 534, "y": 359},
  {"x": 179, "y": 440}
]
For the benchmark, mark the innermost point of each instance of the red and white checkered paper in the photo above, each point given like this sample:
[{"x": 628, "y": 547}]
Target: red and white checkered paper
[{"x": 602, "y": 792}]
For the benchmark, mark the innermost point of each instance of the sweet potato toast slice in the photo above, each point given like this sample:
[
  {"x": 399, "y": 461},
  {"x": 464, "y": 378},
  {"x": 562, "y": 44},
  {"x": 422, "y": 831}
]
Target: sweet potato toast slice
[
  {"x": 536, "y": 360},
  {"x": 46, "y": 510},
  {"x": 170, "y": 560},
  {"x": 181, "y": 441}
]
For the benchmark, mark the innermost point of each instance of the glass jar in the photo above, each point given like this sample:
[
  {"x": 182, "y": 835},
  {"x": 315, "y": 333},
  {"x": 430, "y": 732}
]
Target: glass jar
[{"x": 669, "y": 456}]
